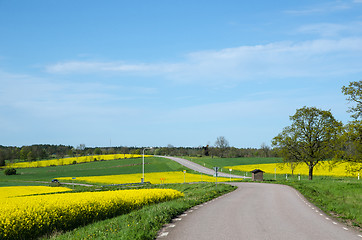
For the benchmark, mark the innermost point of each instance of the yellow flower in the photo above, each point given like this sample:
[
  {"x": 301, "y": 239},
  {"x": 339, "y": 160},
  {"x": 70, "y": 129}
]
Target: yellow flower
[
  {"x": 322, "y": 169},
  {"x": 71, "y": 160},
  {"x": 154, "y": 178}
]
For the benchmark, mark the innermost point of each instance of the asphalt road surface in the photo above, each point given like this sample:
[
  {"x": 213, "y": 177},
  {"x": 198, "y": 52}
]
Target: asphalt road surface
[
  {"x": 199, "y": 168},
  {"x": 257, "y": 211}
]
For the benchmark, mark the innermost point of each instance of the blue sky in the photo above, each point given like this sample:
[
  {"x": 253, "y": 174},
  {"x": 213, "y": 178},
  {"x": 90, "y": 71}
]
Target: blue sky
[{"x": 153, "y": 73}]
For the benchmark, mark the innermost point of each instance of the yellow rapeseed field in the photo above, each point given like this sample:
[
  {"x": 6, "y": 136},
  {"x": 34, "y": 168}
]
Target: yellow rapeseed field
[
  {"x": 322, "y": 169},
  {"x": 7, "y": 192},
  {"x": 72, "y": 160},
  {"x": 31, "y": 216},
  {"x": 154, "y": 178}
]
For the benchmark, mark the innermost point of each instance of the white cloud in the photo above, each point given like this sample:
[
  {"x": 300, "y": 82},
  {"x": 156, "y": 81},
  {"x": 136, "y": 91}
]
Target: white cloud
[
  {"x": 315, "y": 58},
  {"x": 322, "y": 8},
  {"x": 91, "y": 67},
  {"x": 40, "y": 97},
  {"x": 331, "y": 29}
]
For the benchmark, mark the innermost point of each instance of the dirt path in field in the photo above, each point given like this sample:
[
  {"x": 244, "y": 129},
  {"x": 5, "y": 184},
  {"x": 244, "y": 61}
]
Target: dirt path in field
[{"x": 64, "y": 183}]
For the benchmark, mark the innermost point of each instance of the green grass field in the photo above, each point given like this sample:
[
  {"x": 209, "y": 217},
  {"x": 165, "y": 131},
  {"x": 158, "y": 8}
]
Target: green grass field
[{"x": 99, "y": 168}]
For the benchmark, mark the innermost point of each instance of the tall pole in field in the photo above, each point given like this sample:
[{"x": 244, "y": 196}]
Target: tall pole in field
[
  {"x": 275, "y": 173},
  {"x": 143, "y": 165}
]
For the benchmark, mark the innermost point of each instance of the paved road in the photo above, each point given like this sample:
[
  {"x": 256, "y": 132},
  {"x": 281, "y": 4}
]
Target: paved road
[
  {"x": 199, "y": 168},
  {"x": 257, "y": 211}
]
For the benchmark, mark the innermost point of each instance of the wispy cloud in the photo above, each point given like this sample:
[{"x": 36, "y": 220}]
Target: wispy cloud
[
  {"x": 42, "y": 97},
  {"x": 91, "y": 67},
  {"x": 321, "y": 57},
  {"x": 322, "y": 8},
  {"x": 331, "y": 29}
]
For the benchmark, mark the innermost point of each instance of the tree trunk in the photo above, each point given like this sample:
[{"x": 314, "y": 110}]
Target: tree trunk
[{"x": 310, "y": 172}]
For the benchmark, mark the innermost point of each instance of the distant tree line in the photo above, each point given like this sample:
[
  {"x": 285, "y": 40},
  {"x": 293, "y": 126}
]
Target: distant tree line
[
  {"x": 215, "y": 151},
  {"x": 46, "y": 151},
  {"x": 33, "y": 152}
]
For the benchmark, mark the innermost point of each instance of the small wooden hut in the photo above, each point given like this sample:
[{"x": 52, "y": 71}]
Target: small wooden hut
[{"x": 257, "y": 175}]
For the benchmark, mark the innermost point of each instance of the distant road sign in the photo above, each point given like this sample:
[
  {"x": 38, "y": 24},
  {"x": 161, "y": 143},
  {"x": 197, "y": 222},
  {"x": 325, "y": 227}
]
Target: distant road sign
[{"x": 216, "y": 171}]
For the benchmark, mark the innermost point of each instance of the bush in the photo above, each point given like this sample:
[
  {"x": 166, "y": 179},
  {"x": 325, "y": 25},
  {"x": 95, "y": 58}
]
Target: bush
[
  {"x": 55, "y": 183},
  {"x": 10, "y": 171}
]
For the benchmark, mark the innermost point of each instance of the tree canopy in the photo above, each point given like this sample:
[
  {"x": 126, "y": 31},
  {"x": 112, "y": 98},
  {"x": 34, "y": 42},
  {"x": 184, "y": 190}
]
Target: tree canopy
[
  {"x": 354, "y": 93},
  {"x": 352, "y": 137},
  {"x": 312, "y": 137}
]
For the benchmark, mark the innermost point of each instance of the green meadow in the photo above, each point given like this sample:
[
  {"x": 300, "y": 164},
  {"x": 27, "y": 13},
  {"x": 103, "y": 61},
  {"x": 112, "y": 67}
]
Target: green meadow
[{"x": 98, "y": 168}]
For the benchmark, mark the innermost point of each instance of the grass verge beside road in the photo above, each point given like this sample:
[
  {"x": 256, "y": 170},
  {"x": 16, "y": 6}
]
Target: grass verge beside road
[{"x": 340, "y": 198}]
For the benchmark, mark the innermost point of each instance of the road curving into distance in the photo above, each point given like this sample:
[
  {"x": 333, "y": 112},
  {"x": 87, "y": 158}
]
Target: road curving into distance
[
  {"x": 257, "y": 211},
  {"x": 199, "y": 168}
]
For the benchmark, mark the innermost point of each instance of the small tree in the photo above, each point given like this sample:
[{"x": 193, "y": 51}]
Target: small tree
[
  {"x": 30, "y": 156},
  {"x": 265, "y": 150},
  {"x": 221, "y": 144},
  {"x": 312, "y": 137},
  {"x": 10, "y": 171},
  {"x": 2, "y": 158},
  {"x": 97, "y": 151},
  {"x": 205, "y": 150}
]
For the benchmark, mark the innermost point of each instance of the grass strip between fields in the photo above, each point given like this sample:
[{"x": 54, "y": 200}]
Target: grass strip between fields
[{"x": 146, "y": 222}]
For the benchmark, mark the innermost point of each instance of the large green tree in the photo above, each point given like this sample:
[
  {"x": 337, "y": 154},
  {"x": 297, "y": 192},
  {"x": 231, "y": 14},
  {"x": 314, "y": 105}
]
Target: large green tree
[
  {"x": 312, "y": 137},
  {"x": 354, "y": 93},
  {"x": 352, "y": 142},
  {"x": 352, "y": 137}
]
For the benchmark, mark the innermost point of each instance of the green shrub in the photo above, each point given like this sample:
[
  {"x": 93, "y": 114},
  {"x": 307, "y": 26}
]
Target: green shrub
[{"x": 10, "y": 171}]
